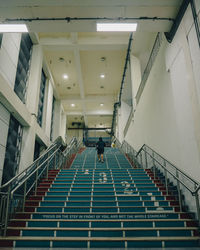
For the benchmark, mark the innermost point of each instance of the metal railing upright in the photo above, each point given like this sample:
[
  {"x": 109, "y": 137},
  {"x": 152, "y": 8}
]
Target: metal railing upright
[
  {"x": 13, "y": 193},
  {"x": 185, "y": 185}
]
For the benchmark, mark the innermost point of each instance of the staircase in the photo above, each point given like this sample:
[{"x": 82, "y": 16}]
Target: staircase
[{"x": 102, "y": 205}]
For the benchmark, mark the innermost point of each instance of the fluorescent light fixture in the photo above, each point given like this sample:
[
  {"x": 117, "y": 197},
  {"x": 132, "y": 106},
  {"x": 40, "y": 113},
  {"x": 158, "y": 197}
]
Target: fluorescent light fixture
[
  {"x": 116, "y": 26},
  {"x": 72, "y": 105},
  {"x": 102, "y": 76},
  {"x": 19, "y": 28},
  {"x": 101, "y": 104},
  {"x": 65, "y": 76}
]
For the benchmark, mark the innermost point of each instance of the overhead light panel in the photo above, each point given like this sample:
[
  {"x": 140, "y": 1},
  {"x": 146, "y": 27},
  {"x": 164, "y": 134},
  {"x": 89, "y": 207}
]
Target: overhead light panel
[
  {"x": 15, "y": 28},
  {"x": 72, "y": 105},
  {"x": 101, "y": 104},
  {"x": 65, "y": 76},
  {"x": 102, "y": 76},
  {"x": 116, "y": 26}
]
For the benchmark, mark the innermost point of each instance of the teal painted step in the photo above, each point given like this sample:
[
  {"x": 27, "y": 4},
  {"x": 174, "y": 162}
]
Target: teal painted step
[
  {"x": 107, "y": 244},
  {"x": 99, "y": 216},
  {"x": 123, "y": 223},
  {"x": 102, "y": 209},
  {"x": 110, "y": 200},
  {"x": 105, "y": 232}
]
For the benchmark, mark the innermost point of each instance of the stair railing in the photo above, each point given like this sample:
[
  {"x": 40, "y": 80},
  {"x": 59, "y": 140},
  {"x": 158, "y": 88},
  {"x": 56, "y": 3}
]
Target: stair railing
[
  {"x": 129, "y": 151},
  {"x": 13, "y": 193},
  {"x": 70, "y": 151},
  {"x": 148, "y": 158}
]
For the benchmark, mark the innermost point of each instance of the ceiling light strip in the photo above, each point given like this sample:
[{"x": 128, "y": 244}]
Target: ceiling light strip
[
  {"x": 130, "y": 27},
  {"x": 18, "y": 28}
]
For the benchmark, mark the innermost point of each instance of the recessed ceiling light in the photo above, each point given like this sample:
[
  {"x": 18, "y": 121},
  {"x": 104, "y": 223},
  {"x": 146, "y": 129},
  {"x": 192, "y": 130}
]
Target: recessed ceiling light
[
  {"x": 102, "y": 76},
  {"x": 72, "y": 105},
  {"x": 13, "y": 28},
  {"x": 101, "y": 104},
  {"x": 61, "y": 59},
  {"x": 116, "y": 26},
  {"x": 103, "y": 58},
  {"x": 65, "y": 76}
]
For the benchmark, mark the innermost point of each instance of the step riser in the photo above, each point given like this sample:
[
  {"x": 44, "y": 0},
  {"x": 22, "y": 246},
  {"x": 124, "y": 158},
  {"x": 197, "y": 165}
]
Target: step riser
[{"x": 92, "y": 206}]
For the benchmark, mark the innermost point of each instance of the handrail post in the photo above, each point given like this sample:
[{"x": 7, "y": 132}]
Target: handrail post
[
  {"x": 179, "y": 192},
  {"x": 141, "y": 160},
  {"x": 132, "y": 156},
  {"x": 154, "y": 166},
  {"x": 36, "y": 181},
  {"x": 47, "y": 172},
  {"x": 166, "y": 184},
  {"x": 55, "y": 161},
  {"x": 197, "y": 205},
  {"x": 7, "y": 210},
  {"x": 59, "y": 159},
  {"x": 145, "y": 154},
  {"x": 24, "y": 197}
]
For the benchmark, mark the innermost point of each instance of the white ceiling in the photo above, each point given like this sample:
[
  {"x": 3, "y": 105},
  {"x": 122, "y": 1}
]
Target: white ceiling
[{"x": 76, "y": 49}]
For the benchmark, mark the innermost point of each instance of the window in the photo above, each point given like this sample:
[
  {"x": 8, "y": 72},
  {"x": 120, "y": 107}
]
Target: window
[
  {"x": 1, "y": 36},
  {"x": 23, "y": 66},
  {"x": 13, "y": 150},
  {"x": 41, "y": 99}
]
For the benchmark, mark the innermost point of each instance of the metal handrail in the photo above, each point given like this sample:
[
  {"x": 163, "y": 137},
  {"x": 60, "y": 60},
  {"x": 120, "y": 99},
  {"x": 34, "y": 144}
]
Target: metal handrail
[
  {"x": 13, "y": 193},
  {"x": 34, "y": 171},
  {"x": 26, "y": 170},
  {"x": 148, "y": 160},
  {"x": 188, "y": 176}
]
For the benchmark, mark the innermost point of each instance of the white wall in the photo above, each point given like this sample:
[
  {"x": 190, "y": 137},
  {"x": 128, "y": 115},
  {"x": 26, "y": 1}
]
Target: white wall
[
  {"x": 25, "y": 113},
  {"x": 9, "y": 56},
  {"x": 63, "y": 125},
  {"x": 27, "y": 148},
  {"x": 167, "y": 117},
  {"x": 59, "y": 123},
  {"x": 135, "y": 75},
  {"x": 8, "y": 65},
  {"x": 70, "y": 133},
  {"x": 34, "y": 80},
  {"x": 123, "y": 114}
]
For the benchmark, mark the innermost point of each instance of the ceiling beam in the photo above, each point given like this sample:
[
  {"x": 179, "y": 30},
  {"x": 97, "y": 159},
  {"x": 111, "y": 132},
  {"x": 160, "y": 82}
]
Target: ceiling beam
[
  {"x": 84, "y": 42},
  {"x": 74, "y": 38},
  {"x": 86, "y": 47},
  {"x": 94, "y": 112},
  {"x": 89, "y": 98},
  {"x": 97, "y": 128},
  {"x": 87, "y": 3}
]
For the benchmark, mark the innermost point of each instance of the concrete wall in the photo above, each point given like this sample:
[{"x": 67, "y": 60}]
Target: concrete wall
[
  {"x": 8, "y": 65},
  {"x": 59, "y": 125},
  {"x": 135, "y": 75},
  {"x": 70, "y": 133},
  {"x": 123, "y": 114},
  {"x": 26, "y": 114},
  {"x": 167, "y": 117},
  {"x": 9, "y": 56}
]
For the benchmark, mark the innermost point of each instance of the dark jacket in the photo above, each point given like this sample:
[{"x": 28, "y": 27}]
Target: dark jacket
[{"x": 100, "y": 145}]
